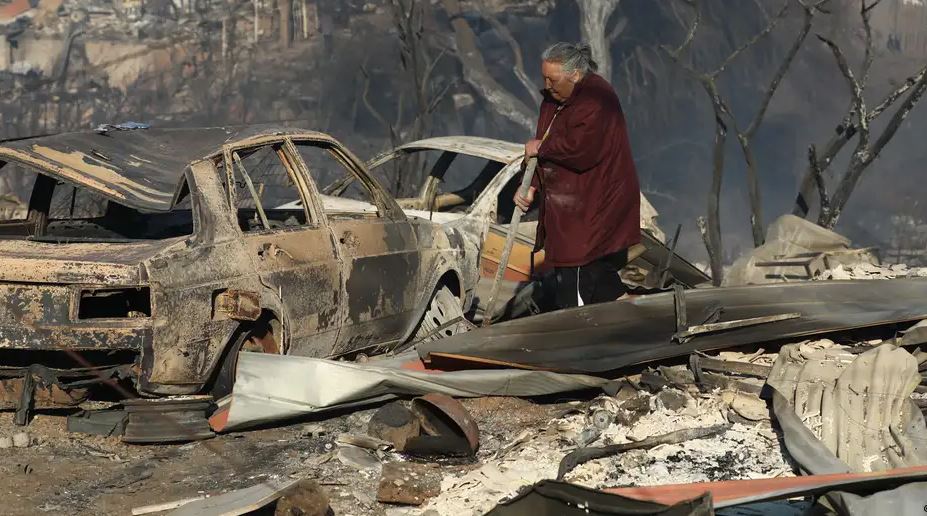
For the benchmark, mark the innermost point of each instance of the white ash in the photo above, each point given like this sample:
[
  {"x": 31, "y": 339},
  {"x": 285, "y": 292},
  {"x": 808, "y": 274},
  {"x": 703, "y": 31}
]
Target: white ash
[
  {"x": 870, "y": 271},
  {"x": 741, "y": 452}
]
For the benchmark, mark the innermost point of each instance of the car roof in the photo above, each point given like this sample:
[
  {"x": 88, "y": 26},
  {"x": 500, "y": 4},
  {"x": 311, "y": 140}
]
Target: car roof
[
  {"x": 488, "y": 148},
  {"x": 140, "y": 168}
]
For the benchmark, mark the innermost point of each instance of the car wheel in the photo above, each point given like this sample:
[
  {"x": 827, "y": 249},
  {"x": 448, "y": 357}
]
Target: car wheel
[
  {"x": 444, "y": 308},
  {"x": 261, "y": 338}
]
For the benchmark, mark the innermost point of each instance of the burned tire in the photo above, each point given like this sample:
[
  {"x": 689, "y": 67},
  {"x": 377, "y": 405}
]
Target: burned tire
[
  {"x": 444, "y": 308},
  {"x": 260, "y": 338}
]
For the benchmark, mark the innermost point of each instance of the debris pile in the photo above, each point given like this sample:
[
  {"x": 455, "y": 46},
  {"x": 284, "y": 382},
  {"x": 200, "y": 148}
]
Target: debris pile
[
  {"x": 871, "y": 271},
  {"x": 795, "y": 250}
]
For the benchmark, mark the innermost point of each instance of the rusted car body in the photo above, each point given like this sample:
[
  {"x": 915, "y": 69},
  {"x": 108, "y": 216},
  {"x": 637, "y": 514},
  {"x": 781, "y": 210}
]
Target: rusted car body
[
  {"x": 189, "y": 257},
  {"x": 478, "y": 202}
]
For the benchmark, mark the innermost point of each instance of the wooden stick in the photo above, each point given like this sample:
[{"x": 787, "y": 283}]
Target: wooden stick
[
  {"x": 509, "y": 242},
  {"x": 577, "y": 457}
]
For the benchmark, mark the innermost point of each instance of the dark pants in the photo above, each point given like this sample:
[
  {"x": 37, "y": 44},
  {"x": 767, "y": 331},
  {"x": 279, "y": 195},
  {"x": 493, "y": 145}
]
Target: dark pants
[{"x": 595, "y": 282}]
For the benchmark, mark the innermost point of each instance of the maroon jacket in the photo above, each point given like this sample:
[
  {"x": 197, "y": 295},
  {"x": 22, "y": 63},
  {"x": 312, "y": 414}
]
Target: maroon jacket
[{"x": 590, "y": 196}]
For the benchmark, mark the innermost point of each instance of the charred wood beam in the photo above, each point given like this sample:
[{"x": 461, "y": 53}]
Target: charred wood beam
[{"x": 582, "y": 455}]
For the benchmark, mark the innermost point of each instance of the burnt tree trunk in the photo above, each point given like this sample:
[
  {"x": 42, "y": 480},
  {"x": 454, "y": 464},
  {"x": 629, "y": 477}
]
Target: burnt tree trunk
[
  {"x": 286, "y": 22},
  {"x": 594, "y": 16}
]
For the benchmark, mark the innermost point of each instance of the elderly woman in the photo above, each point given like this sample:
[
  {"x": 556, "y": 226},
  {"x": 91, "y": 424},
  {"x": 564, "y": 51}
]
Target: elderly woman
[{"x": 589, "y": 192}]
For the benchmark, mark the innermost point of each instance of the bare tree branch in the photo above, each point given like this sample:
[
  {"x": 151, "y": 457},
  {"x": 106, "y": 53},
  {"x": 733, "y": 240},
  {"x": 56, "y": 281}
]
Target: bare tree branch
[
  {"x": 752, "y": 41},
  {"x": 477, "y": 75},
  {"x": 867, "y": 29},
  {"x": 783, "y": 68},
  {"x": 744, "y": 138},
  {"x": 917, "y": 92},
  {"x": 713, "y": 257},
  {"x": 864, "y": 154},
  {"x": 896, "y": 94},
  {"x": 519, "y": 67},
  {"x": 690, "y": 36},
  {"x": 815, "y": 165},
  {"x": 619, "y": 27},
  {"x": 856, "y": 89},
  {"x": 365, "y": 98},
  {"x": 861, "y": 160},
  {"x": 714, "y": 195}
]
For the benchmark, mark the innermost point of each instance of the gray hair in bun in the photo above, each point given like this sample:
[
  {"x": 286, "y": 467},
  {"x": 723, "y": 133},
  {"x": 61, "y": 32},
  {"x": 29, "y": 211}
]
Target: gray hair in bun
[{"x": 572, "y": 57}]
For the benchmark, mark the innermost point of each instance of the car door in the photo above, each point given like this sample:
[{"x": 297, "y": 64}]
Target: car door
[
  {"x": 379, "y": 245},
  {"x": 289, "y": 242}
]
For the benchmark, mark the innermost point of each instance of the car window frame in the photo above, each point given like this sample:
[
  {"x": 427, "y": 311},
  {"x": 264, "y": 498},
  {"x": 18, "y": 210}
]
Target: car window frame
[
  {"x": 314, "y": 218},
  {"x": 387, "y": 207}
]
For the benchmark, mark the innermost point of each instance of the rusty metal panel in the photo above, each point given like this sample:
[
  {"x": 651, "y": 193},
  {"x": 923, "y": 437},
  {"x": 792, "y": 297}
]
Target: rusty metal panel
[
  {"x": 301, "y": 268},
  {"x": 74, "y": 337},
  {"x": 30, "y": 305},
  {"x": 240, "y": 305},
  {"x": 187, "y": 341},
  {"x": 383, "y": 264}
]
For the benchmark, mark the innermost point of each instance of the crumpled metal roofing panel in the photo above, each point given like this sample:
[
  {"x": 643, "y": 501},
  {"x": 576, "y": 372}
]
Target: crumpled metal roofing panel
[
  {"x": 610, "y": 336},
  {"x": 840, "y": 414}
]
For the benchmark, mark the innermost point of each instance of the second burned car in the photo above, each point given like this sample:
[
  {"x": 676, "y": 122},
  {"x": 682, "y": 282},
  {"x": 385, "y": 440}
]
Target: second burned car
[{"x": 156, "y": 255}]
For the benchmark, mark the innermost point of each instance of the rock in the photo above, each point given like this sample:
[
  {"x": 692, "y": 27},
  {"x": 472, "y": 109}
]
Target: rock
[
  {"x": 671, "y": 399},
  {"x": 394, "y": 423},
  {"x": 21, "y": 440},
  {"x": 6, "y": 442},
  {"x": 305, "y": 498},
  {"x": 750, "y": 407},
  {"x": 408, "y": 483}
]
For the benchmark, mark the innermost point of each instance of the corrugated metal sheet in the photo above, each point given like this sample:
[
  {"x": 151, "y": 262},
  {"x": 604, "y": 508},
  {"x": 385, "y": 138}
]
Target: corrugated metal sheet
[{"x": 610, "y": 336}]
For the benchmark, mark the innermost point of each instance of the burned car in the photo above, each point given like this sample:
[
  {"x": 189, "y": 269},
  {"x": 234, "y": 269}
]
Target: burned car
[
  {"x": 152, "y": 256},
  {"x": 469, "y": 186}
]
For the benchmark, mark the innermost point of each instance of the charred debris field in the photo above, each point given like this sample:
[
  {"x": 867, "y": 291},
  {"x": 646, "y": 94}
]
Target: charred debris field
[{"x": 264, "y": 257}]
